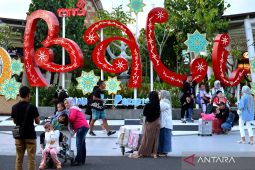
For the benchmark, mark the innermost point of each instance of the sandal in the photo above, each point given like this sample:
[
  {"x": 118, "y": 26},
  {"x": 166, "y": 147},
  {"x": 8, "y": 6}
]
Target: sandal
[
  {"x": 154, "y": 156},
  {"x": 251, "y": 142},
  {"x": 41, "y": 167},
  {"x": 134, "y": 156},
  {"x": 92, "y": 133},
  {"x": 162, "y": 155}
]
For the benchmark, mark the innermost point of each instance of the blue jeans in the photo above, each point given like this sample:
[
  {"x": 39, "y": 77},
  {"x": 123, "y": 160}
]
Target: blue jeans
[
  {"x": 189, "y": 113},
  {"x": 81, "y": 144}
]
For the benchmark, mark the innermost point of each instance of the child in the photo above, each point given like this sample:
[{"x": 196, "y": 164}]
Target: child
[
  {"x": 60, "y": 110},
  {"x": 52, "y": 146}
]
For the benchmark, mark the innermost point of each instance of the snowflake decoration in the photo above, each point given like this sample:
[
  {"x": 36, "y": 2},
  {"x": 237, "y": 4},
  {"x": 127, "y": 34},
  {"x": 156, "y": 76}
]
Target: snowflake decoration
[
  {"x": 120, "y": 65},
  {"x": 42, "y": 56},
  {"x": 10, "y": 89},
  {"x": 112, "y": 85},
  {"x": 87, "y": 81},
  {"x": 224, "y": 40},
  {"x": 91, "y": 37},
  {"x": 136, "y": 6},
  {"x": 200, "y": 67},
  {"x": 196, "y": 42},
  {"x": 160, "y": 15},
  {"x": 16, "y": 66}
]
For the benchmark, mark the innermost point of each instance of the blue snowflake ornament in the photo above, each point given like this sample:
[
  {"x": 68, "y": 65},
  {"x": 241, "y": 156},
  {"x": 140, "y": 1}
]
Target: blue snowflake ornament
[
  {"x": 10, "y": 89},
  {"x": 87, "y": 81},
  {"x": 16, "y": 66},
  {"x": 136, "y": 6},
  {"x": 112, "y": 85},
  {"x": 196, "y": 42}
]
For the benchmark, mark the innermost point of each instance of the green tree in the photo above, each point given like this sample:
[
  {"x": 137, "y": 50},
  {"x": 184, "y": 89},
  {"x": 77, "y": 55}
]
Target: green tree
[
  {"x": 188, "y": 15},
  {"x": 6, "y": 34}
]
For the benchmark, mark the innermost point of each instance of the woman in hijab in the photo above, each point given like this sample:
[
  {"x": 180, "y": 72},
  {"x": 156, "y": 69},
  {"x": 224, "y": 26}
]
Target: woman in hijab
[
  {"x": 166, "y": 124},
  {"x": 149, "y": 144},
  {"x": 80, "y": 127},
  {"x": 217, "y": 87},
  {"x": 246, "y": 110}
]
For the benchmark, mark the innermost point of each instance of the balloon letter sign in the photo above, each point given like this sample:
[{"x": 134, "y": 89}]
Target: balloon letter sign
[
  {"x": 198, "y": 66},
  {"x": 219, "y": 60},
  {"x": 119, "y": 64},
  {"x": 43, "y": 57}
]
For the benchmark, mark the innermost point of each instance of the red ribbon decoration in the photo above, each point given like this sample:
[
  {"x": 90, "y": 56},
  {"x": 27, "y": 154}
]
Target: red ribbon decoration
[
  {"x": 219, "y": 60},
  {"x": 43, "y": 57},
  {"x": 198, "y": 66},
  {"x": 119, "y": 64}
]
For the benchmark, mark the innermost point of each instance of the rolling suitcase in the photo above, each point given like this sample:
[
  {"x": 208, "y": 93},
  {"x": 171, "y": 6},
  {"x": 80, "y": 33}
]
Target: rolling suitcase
[
  {"x": 204, "y": 127},
  {"x": 216, "y": 124}
]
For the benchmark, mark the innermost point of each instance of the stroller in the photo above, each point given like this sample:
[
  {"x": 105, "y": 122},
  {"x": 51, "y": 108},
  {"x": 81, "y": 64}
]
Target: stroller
[{"x": 66, "y": 153}]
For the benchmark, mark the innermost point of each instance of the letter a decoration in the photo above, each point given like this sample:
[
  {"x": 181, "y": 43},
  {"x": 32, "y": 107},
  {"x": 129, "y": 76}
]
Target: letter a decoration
[
  {"x": 219, "y": 61},
  {"x": 119, "y": 64},
  {"x": 198, "y": 66}
]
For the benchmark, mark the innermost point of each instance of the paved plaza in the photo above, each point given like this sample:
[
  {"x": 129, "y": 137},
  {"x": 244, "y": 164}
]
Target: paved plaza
[{"x": 102, "y": 150}]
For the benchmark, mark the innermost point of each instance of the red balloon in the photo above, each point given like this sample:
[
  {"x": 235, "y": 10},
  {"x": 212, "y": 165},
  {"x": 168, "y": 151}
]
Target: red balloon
[
  {"x": 43, "y": 57},
  {"x": 119, "y": 64},
  {"x": 219, "y": 61},
  {"x": 198, "y": 66}
]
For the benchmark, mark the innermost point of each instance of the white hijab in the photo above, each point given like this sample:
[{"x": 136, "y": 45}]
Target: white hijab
[{"x": 71, "y": 104}]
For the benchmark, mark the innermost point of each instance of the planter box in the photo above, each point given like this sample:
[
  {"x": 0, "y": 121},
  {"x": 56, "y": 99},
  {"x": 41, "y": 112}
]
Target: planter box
[{"x": 118, "y": 114}]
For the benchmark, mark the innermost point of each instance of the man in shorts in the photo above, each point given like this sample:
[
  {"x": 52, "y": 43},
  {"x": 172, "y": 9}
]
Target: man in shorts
[{"x": 98, "y": 111}]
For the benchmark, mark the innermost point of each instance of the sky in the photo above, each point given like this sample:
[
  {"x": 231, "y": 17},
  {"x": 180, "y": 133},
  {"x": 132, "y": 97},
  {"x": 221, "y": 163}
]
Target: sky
[{"x": 17, "y": 8}]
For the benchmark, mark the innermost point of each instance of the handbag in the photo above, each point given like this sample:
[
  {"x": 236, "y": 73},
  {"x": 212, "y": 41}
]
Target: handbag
[{"x": 17, "y": 131}]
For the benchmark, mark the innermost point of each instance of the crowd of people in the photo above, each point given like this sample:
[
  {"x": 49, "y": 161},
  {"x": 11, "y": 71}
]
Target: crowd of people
[{"x": 157, "y": 128}]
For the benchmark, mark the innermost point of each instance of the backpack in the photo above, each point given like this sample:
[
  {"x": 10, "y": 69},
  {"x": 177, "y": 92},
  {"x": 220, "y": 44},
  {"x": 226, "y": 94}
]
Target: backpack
[{"x": 198, "y": 99}]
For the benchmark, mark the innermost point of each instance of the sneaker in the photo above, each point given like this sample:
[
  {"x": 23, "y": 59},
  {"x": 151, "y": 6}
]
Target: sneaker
[
  {"x": 92, "y": 133},
  {"x": 104, "y": 131},
  {"x": 111, "y": 132},
  {"x": 131, "y": 151}
]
